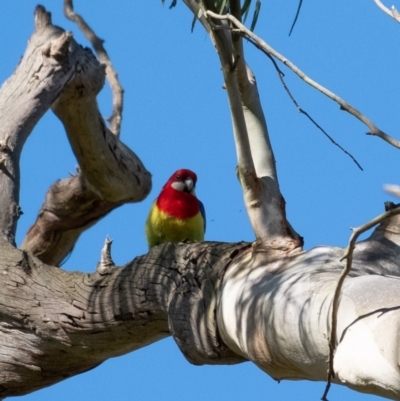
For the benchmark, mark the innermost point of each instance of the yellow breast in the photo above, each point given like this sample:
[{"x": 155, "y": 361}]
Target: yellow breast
[{"x": 161, "y": 228}]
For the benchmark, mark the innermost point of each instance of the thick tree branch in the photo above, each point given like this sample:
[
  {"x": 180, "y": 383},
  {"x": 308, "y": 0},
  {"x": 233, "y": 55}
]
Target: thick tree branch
[
  {"x": 256, "y": 165},
  {"x": 24, "y": 98},
  {"x": 295, "y": 297},
  {"x": 391, "y": 210},
  {"x": 263, "y": 46},
  {"x": 57, "y": 324},
  {"x": 221, "y": 303},
  {"x": 261, "y": 149},
  {"x": 97, "y": 43},
  {"x": 110, "y": 173}
]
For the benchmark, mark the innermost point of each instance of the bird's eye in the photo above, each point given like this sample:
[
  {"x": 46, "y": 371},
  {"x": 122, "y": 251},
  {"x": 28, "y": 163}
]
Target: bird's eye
[{"x": 178, "y": 177}]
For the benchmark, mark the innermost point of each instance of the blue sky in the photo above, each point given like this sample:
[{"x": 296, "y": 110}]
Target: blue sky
[{"x": 176, "y": 115}]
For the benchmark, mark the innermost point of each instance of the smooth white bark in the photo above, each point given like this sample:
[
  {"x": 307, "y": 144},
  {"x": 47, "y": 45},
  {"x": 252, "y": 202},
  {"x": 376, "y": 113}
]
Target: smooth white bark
[{"x": 278, "y": 315}]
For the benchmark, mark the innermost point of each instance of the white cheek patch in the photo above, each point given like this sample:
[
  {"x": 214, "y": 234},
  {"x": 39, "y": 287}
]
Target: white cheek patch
[{"x": 178, "y": 185}]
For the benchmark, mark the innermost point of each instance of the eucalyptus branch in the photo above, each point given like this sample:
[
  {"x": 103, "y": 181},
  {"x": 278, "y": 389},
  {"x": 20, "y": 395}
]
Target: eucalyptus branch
[
  {"x": 302, "y": 111},
  {"x": 348, "y": 255},
  {"x": 112, "y": 76},
  {"x": 393, "y": 12},
  {"x": 262, "y": 152},
  {"x": 267, "y": 49},
  {"x": 229, "y": 62}
]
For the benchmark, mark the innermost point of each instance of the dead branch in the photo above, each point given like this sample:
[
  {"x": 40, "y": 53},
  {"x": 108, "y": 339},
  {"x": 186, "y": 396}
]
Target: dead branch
[
  {"x": 112, "y": 76},
  {"x": 110, "y": 173},
  {"x": 264, "y": 47},
  {"x": 24, "y": 98}
]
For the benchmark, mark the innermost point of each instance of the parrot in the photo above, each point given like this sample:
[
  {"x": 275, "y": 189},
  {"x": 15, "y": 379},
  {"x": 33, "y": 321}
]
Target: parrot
[{"x": 176, "y": 214}]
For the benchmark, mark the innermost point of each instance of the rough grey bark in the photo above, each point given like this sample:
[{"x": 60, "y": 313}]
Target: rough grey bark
[
  {"x": 24, "y": 98},
  {"x": 110, "y": 174},
  {"x": 56, "y": 324}
]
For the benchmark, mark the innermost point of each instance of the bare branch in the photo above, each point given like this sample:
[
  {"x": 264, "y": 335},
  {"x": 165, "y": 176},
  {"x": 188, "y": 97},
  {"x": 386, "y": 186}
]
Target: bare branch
[
  {"x": 302, "y": 111},
  {"x": 256, "y": 164},
  {"x": 110, "y": 173},
  {"x": 267, "y": 49},
  {"x": 261, "y": 149},
  {"x": 112, "y": 76},
  {"x": 392, "y": 210},
  {"x": 79, "y": 320},
  {"x": 24, "y": 98},
  {"x": 393, "y": 13},
  {"x": 229, "y": 62}
]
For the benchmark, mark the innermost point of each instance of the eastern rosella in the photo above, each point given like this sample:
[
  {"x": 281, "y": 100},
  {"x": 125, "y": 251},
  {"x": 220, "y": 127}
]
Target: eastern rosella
[{"x": 176, "y": 214}]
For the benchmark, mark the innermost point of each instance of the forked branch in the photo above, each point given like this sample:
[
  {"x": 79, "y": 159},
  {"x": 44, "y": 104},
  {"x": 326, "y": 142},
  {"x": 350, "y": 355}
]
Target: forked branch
[
  {"x": 110, "y": 173},
  {"x": 256, "y": 165}
]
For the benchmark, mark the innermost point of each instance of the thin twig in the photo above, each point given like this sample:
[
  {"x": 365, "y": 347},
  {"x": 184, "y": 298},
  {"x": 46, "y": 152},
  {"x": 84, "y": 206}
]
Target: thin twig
[
  {"x": 393, "y": 13},
  {"x": 255, "y": 40},
  {"x": 112, "y": 77},
  {"x": 302, "y": 111},
  {"x": 348, "y": 255}
]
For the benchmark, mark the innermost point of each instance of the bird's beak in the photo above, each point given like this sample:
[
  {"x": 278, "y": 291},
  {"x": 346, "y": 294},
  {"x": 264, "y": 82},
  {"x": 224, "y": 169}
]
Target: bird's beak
[{"x": 189, "y": 185}]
